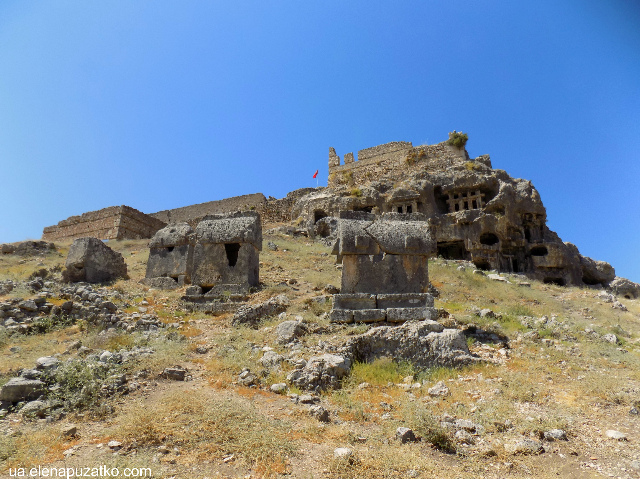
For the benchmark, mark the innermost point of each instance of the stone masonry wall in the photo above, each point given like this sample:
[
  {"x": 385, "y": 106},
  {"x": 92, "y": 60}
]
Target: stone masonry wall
[
  {"x": 279, "y": 210},
  {"x": 393, "y": 161},
  {"x": 194, "y": 213},
  {"x": 115, "y": 222}
]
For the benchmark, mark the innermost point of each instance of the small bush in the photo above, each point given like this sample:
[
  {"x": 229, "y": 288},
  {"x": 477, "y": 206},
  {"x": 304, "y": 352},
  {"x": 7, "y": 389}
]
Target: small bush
[
  {"x": 357, "y": 192},
  {"x": 47, "y": 324},
  {"x": 424, "y": 424},
  {"x": 458, "y": 139},
  {"x": 80, "y": 385}
]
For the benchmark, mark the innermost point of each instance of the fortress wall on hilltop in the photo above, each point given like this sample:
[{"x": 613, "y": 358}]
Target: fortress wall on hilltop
[
  {"x": 114, "y": 222},
  {"x": 194, "y": 213},
  {"x": 392, "y": 161}
]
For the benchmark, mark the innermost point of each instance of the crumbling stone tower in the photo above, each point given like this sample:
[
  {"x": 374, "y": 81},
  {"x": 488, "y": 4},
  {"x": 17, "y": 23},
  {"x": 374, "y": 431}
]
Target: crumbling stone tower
[{"x": 384, "y": 268}]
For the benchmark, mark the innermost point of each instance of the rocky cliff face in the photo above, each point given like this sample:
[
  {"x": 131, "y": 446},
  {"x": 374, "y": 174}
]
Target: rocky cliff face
[{"x": 478, "y": 213}]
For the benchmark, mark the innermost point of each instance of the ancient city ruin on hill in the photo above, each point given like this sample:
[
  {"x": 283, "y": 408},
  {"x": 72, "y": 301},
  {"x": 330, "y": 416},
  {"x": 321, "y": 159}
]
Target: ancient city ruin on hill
[{"x": 477, "y": 213}]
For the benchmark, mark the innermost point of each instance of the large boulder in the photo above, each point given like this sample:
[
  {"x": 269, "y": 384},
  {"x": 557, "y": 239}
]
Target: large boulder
[
  {"x": 321, "y": 372},
  {"x": 624, "y": 287},
  {"x": 424, "y": 344},
  {"x": 596, "y": 272},
  {"x": 90, "y": 260},
  {"x": 21, "y": 389},
  {"x": 252, "y": 314}
]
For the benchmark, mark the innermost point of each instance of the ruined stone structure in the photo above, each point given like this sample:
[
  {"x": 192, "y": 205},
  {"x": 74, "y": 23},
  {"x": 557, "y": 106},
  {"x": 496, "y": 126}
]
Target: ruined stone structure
[
  {"x": 384, "y": 268},
  {"x": 193, "y": 214},
  {"x": 478, "y": 213},
  {"x": 124, "y": 222},
  {"x": 221, "y": 256},
  {"x": 171, "y": 257},
  {"x": 115, "y": 222}
]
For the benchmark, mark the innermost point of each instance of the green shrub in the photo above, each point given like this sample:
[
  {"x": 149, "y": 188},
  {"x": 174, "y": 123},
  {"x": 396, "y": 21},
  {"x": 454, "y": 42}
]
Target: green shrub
[
  {"x": 47, "y": 324},
  {"x": 357, "y": 192},
  {"x": 83, "y": 385},
  {"x": 426, "y": 425},
  {"x": 458, "y": 139}
]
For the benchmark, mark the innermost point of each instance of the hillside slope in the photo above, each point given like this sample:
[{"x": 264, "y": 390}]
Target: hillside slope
[{"x": 553, "y": 358}]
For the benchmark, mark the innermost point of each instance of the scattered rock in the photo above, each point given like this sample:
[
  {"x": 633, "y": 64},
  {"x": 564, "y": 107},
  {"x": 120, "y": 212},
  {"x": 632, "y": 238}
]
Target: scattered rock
[
  {"x": 35, "y": 409},
  {"x": 47, "y": 363},
  {"x": 404, "y": 434},
  {"x": 320, "y": 413},
  {"x": 555, "y": 435},
  {"x": 617, "y": 435},
  {"x": 525, "y": 447},
  {"x": 464, "y": 437},
  {"x": 423, "y": 343},
  {"x": 278, "y": 388},
  {"x": 271, "y": 359},
  {"x": 611, "y": 338},
  {"x": 439, "y": 390},
  {"x": 176, "y": 373},
  {"x": 342, "y": 453},
  {"x": 321, "y": 372},
  {"x": 252, "y": 314},
  {"x": 114, "y": 445},
  {"x": 287, "y": 331},
  {"x": 20, "y": 389},
  {"x": 247, "y": 378}
]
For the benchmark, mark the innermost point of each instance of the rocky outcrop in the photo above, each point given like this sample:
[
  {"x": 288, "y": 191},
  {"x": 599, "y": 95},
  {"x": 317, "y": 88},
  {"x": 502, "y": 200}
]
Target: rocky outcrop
[
  {"x": 478, "y": 213},
  {"x": 90, "y": 260},
  {"x": 321, "y": 372},
  {"x": 424, "y": 344},
  {"x": 28, "y": 248},
  {"x": 624, "y": 287},
  {"x": 252, "y": 314}
]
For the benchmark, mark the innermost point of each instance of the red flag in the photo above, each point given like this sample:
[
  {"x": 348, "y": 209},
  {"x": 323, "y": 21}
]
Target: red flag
[{"x": 315, "y": 174}]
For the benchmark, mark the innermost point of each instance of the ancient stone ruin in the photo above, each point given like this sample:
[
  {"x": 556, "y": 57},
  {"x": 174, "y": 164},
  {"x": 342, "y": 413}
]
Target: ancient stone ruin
[
  {"x": 115, "y": 222},
  {"x": 90, "y": 260},
  {"x": 220, "y": 257},
  {"x": 479, "y": 214},
  {"x": 384, "y": 268},
  {"x": 170, "y": 257}
]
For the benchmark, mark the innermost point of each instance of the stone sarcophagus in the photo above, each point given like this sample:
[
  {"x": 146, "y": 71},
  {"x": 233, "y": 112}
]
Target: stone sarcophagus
[
  {"x": 221, "y": 256},
  {"x": 385, "y": 273},
  {"x": 226, "y": 255},
  {"x": 171, "y": 256}
]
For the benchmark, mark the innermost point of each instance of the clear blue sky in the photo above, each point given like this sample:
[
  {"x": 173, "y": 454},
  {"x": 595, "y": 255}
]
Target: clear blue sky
[{"x": 158, "y": 105}]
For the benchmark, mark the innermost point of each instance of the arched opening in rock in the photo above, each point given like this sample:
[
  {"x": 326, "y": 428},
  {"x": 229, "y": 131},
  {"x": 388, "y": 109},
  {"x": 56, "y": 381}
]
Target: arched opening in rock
[
  {"x": 489, "y": 239},
  {"x": 452, "y": 250},
  {"x": 483, "y": 265},
  {"x": 539, "y": 251},
  {"x": 318, "y": 215},
  {"x": 557, "y": 281},
  {"x": 232, "y": 252}
]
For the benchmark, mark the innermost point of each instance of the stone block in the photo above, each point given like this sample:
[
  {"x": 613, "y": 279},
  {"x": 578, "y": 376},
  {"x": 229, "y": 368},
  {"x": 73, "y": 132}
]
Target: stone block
[
  {"x": 20, "y": 389},
  {"x": 400, "y": 315},
  {"x": 407, "y": 300},
  {"x": 354, "y": 301},
  {"x": 341, "y": 316},
  {"x": 369, "y": 315}
]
